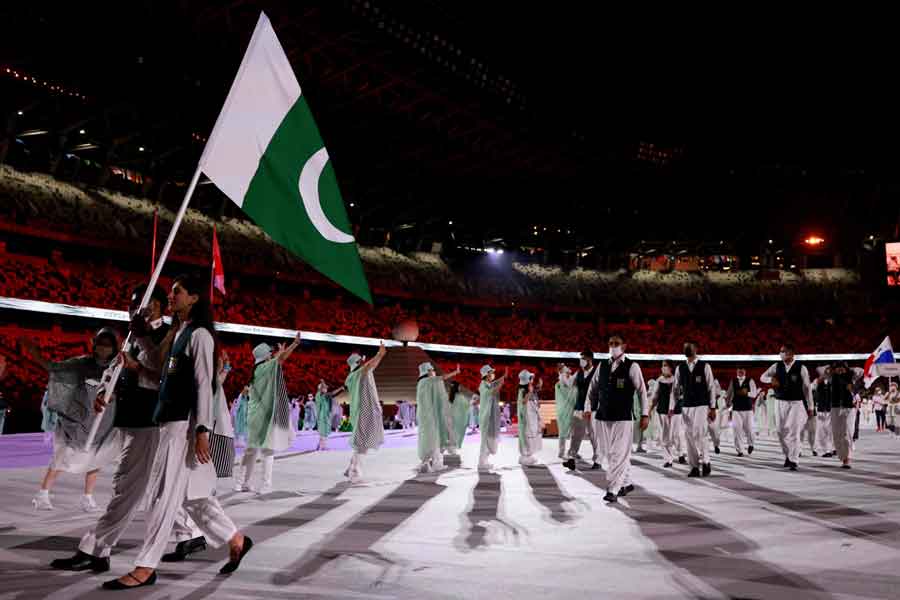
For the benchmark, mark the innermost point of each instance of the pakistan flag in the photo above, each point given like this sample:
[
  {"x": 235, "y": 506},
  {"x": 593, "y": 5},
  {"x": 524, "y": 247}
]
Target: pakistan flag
[{"x": 266, "y": 154}]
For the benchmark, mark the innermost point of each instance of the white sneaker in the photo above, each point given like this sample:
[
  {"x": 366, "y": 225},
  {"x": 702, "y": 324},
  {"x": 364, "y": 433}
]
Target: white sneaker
[
  {"x": 485, "y": 466},
  {"x": 265, "y": 489},
  {"x": 452, "y": 452},
  {"x": 42, "y": 502},
  {"x": 88, "y": 504},
  {"x": 528, "y": 461}
]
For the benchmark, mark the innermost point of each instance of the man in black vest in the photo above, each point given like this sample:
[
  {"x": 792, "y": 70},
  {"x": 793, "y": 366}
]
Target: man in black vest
[
  {"x": 669, "y": 416},
  {"x": 790, "y": 380},
  {"x": 844, "y": 409},
  {"x": 582, "y": 423},
  {"x": 740, "y": 399},
  {"x": 821, "y": 392},
  {"x": 611, "y": 394},
  {"x": 694, "y": 392}
]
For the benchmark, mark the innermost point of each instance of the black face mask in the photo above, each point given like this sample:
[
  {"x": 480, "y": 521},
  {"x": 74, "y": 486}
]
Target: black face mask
[{"x": 688, "y": 351}]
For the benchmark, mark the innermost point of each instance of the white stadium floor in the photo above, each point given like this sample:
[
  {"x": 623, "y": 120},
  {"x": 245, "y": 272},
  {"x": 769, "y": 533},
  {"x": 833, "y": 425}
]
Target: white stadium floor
[{"x": 751, "y": 530}]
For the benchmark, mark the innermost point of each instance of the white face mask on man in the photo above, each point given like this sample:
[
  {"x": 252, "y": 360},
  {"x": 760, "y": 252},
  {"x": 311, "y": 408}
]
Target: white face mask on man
[
  {"x": 616, "y": 351},
  {"x": 582, "y": 362}
]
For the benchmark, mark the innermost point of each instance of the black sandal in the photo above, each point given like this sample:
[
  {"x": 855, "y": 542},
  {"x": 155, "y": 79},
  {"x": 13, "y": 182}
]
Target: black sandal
[
  {"x": 232, "y": 565},
  {"x": 115, "y": 584}
]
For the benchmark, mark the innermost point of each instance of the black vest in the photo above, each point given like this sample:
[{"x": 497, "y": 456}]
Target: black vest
[
  {"x": 135, "y": 405},
  {"x": 740, "y": 402},
  {"x": 841, "y": 396},
  {"x": 582, "y": 383},
  {"x": 822, "y": 397},
  {"x": 178, "y": 390},
  {"x": 663, "y": 396},
  {"x": 790, "y": 383},
  {"x": 695, "y": 391},
  {"x": 615, "y": 392}
]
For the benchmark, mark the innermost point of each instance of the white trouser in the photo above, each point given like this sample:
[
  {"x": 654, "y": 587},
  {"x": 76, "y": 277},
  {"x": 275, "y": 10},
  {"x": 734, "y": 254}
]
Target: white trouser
[
  {"x": 672, "y": 435},
  {"x": 808, "y": 433},
  {"x": 129, "y": 487},
  {"x": 742, "y": 427},
  {"x": 824, "y": 437},
  {"x": 168, "y": 493},
  {"x": 696, "y": 427},
  {"x": 615, "y": 438},
  {"x": 249, "y": 462},
  {"x": 715, "y": 432},
  {"x": 843, "y": 421},
  {"x": 562, "y": 447},
  {"x": 791, "y": 420},
  {"x": 585, "y": 427}
]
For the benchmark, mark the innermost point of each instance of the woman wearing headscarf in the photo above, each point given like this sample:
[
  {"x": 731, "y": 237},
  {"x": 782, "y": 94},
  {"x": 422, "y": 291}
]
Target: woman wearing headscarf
[
  {"x": 489, "y": 414},
  {"x": 528, "y": 411},
  {"x": 565, "y": 395},
  {"x": 365, "y": 410}
]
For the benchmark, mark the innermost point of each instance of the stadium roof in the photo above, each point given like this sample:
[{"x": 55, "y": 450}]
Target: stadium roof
[{"x": 496, "y": 116}]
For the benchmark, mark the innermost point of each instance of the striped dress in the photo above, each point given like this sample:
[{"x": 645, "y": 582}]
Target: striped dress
[{"x": 365, "y": 412}]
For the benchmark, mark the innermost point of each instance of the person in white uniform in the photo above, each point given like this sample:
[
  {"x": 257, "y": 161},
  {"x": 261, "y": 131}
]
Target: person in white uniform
[
  {"x": 183, "y": 475},
  {"x": 670, "y": 418},
  {"x": 611, "y": 394},
  {"x": 821, "y": 393},
  {"x": 790, "y": 380},
  {"x": 740, "y": 398},
  {"x": 582, "y": 423},
  {"x": 844, "y": 409},
  {"x": 694, "y": 391}
]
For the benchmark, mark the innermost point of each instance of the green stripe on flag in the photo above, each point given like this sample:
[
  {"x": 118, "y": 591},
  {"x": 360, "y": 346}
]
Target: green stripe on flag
[{"x": 274, "y": 202}]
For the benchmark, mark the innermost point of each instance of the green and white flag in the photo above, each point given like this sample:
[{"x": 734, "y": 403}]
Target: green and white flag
[{"x": 265, "y": 153}]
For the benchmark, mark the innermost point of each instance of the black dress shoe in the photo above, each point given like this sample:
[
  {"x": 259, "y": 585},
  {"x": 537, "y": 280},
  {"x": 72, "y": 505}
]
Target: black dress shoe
[
  {"x": 787, "y": 463},
  {"x": 793, "y": 466},
  {"x": 740, "y": 454},
  {"x": 682, "y": 460},
  {"x": 626, "y": 490},
  {"x": 595, "y": 467},
  {"x": 707, "y": 469},
  {"x": 610, "y": 497},
  {"x": 232, "y": 565},
  {"x": 749, "y": 450},
  {"x": 185, "y": 549},
  {"x": 667, "y": 465},
  {"x": 695, "y": 472},
  {"x": 115, "y": 584},
  {"x": 845, "y": 466},
  {"x": 569, "y": 464},
  {"x": 82, "y": 562},
  {"x": 815, "y": 453},
  {"x": 717, "y": 450},
  {"x": 640, "y": 451}
]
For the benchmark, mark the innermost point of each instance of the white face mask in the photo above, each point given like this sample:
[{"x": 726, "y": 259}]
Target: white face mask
[
  {"x": 783, "y": 356},
  {"x": 582, "y": 362},
  {"x": 616, "y": 351}
]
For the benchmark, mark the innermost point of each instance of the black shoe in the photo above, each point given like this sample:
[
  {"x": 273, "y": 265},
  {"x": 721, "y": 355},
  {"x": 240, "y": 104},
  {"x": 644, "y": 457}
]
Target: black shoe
[
  {"x": 626, "y": 490},
  {"x": 749, "y": 450},
  {"x": 115, "y": 584},
  {"x": 611, "y": 498},
  {"x": 717, "y": 450},
  {"x": 82, "y": 562},
  {"x": 815, "y": 453},
  {"x": 787, "y": 463},
  {"x": 185, "y": 549},
  {"x": 682, "y": 460},
  {"x": 695, "y": 472},
  {"x": 667, "y": 465},
  {"x": 793, "y": 466},
  {"x": 828, "y": 455},
  {"x": 232, "y": 565},
  {"x": 595, "y": 467},
  {"x": 569, "y": 464},
  {"x": 740, "y": 454},
  {"x": 845, "y": 466},
  {"x": 640, "y": 451},
  {"x": 707, "y": 469}
]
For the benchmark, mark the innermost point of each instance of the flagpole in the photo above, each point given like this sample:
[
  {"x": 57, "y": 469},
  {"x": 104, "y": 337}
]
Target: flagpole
[{"x": 111, "y": 385}]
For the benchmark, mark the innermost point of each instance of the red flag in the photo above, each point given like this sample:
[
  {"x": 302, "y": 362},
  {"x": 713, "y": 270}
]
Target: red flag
[
  {"x": 218, "y": 271},
  {"x": 153, "y": 251}
]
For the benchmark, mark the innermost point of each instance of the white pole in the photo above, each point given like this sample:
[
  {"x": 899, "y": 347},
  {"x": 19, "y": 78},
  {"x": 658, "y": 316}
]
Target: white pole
[{"x": 111, "y": 385}]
